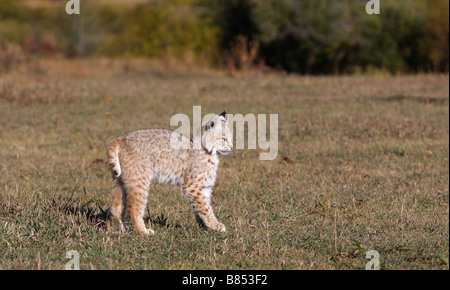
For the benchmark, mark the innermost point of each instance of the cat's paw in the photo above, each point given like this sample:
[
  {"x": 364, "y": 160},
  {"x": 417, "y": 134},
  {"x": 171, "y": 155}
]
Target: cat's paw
[
  {"x": 220, "y": 227},
  {"x": 147, "y": 232}
]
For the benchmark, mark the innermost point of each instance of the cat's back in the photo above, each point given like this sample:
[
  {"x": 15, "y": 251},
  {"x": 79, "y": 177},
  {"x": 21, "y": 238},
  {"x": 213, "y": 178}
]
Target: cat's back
[
  {"x": 147, "y": 135},
  {"x": 156, "y": 142}
]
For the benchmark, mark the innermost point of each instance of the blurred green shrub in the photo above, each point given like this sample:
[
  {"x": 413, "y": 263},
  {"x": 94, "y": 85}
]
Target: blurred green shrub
[
  {"x": 437, "y": 29},
  {"x": 178, "y": 28},
  {"x": 303, "y": 36}
]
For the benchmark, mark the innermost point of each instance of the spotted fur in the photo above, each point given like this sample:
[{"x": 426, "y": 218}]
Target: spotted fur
[{"x": 145, "y": 156}]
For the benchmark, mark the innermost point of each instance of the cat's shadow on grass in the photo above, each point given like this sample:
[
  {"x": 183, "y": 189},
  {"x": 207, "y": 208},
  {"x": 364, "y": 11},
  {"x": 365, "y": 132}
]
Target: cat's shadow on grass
[
  {"x": 98, "y": 216},
  {"x": 90, "y": 210}
]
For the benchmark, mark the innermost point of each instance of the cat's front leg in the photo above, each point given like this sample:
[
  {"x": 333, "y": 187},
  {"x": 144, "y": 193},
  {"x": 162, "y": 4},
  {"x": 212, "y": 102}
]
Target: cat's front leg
[{"x": 200, "y": 201}]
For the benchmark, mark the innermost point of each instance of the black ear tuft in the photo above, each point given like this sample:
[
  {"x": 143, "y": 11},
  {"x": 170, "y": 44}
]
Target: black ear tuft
[{"x": 224, "y": 114}]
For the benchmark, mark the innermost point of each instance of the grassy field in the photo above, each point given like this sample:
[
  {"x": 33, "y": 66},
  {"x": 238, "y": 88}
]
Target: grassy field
[{"x": 362, "y": 165}]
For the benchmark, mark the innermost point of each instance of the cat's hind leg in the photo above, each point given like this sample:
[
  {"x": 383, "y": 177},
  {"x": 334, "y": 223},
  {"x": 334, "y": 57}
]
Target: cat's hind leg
[
  {"x": 116, "y": 211},
  {"x": 137, "y": 195}
]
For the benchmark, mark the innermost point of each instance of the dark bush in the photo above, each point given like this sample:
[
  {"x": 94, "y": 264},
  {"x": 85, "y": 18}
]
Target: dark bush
[{"x": 336, "y": 36}]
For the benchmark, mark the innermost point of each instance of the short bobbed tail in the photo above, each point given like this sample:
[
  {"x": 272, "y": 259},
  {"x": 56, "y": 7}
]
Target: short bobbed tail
[{"x": 114, "y": 147}]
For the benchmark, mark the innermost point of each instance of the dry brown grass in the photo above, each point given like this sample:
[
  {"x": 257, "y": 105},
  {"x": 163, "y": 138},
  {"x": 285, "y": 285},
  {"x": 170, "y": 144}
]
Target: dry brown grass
[{"x": 362, "y": 165}]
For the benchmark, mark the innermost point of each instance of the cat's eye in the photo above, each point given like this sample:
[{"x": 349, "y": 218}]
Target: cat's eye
[{"x": 225, "y": 139}]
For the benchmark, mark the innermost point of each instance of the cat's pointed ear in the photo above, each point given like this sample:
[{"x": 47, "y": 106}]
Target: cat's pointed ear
[{"x": 225, "y": 115}]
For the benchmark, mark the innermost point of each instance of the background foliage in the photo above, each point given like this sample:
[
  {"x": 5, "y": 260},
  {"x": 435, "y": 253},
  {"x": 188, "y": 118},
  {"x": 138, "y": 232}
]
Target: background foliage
[{"x": 304, "y": 36}]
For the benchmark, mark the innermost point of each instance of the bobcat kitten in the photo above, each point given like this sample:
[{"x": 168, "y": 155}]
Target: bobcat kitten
[{"x": 144, "y": 156}]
